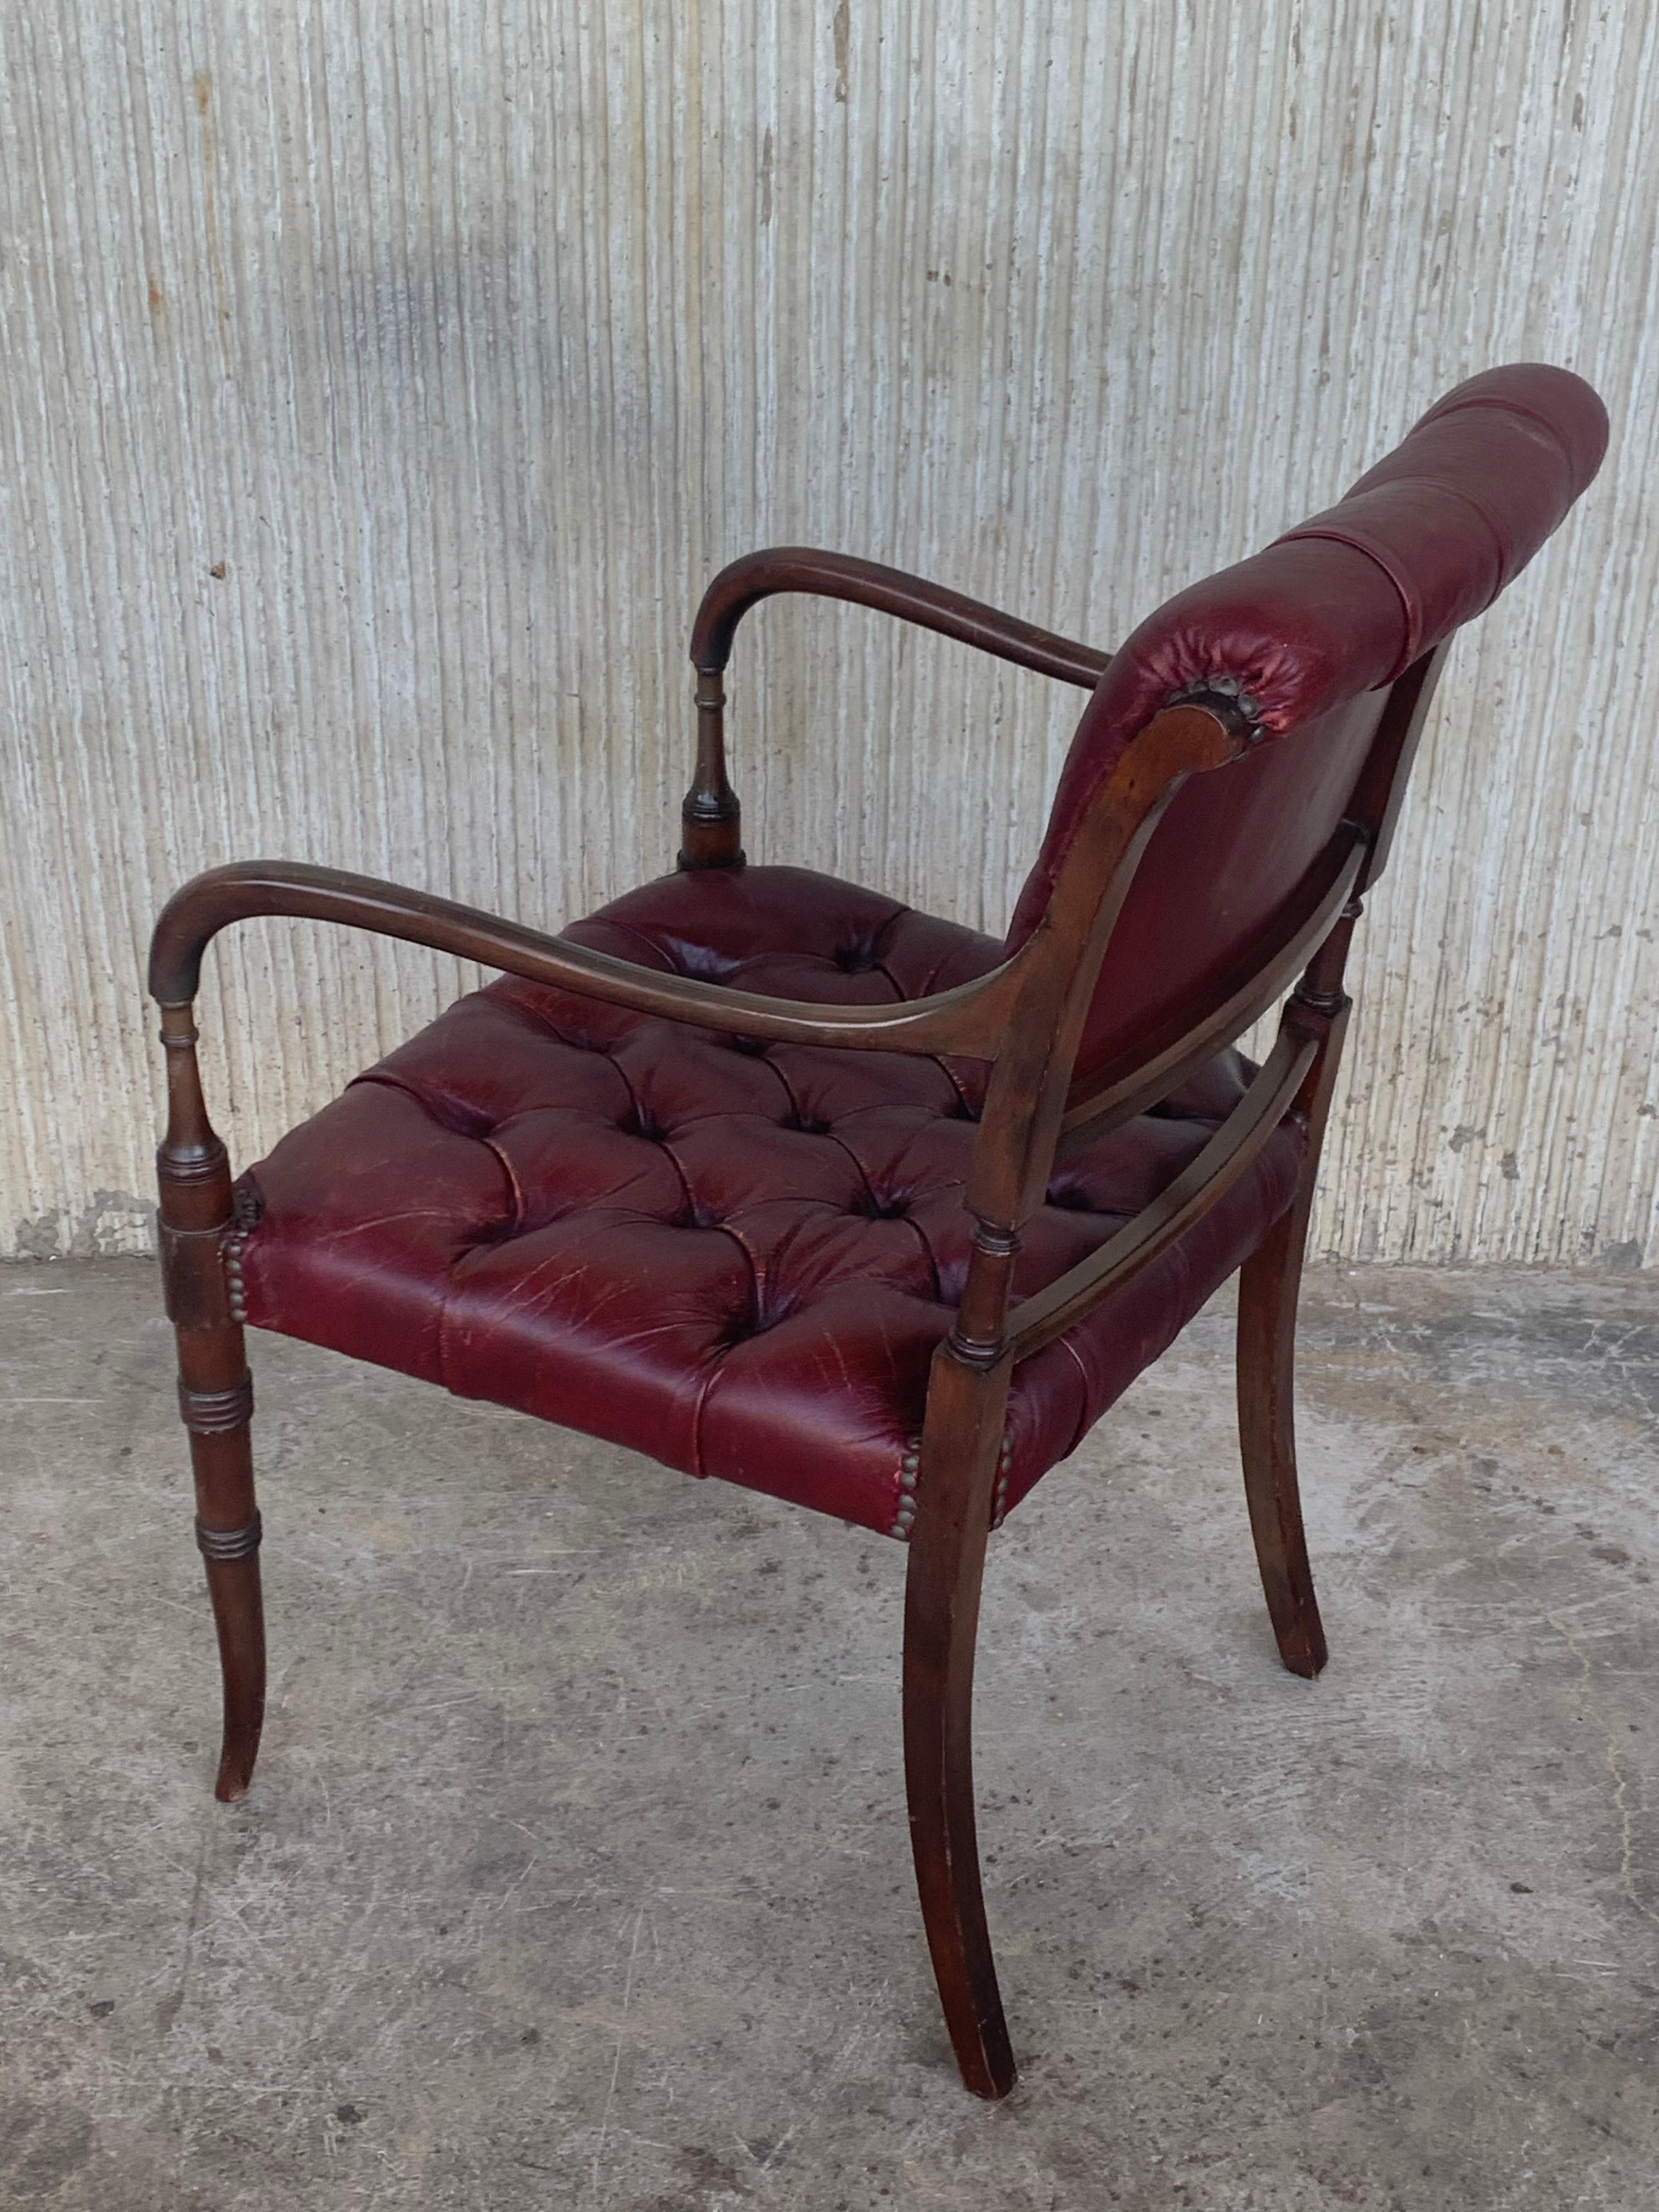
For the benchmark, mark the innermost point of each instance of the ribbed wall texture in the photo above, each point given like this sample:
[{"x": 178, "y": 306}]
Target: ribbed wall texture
[{"x": 382, "y": 384}]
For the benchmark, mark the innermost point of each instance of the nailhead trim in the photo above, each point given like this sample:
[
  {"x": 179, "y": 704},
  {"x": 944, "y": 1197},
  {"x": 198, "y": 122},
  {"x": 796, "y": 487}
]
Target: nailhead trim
[
  {"x": 1226, "y": 687},
  {"x": 904, "y": 1517},
  {"x": 246, "y": 1210},
  {"x": 230, "y": 1251},
  {"x": 999, "y": 1495}
]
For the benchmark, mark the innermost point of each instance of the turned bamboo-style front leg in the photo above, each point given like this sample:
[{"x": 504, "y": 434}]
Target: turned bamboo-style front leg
[{"x": 215, "y": 1393}]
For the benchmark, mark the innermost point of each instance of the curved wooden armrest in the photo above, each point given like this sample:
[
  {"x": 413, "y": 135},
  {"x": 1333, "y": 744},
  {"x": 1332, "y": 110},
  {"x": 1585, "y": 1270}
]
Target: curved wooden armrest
[
  {"x": 711, "y": 815},
  {"x": 890, "y": 592},
  {"x": 969, "y": 1020}
]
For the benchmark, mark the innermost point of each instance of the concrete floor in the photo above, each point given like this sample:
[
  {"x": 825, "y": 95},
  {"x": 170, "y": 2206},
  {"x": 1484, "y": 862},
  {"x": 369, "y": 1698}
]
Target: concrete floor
[{"x": 576, "y": 1872}]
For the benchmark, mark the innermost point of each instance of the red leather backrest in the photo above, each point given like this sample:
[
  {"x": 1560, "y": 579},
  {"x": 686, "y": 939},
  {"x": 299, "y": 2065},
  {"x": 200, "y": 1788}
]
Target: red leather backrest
[{"x": 1305, "y": 637}]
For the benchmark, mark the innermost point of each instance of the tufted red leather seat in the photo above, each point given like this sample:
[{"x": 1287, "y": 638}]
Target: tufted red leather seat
[
  {"x": 775, "y": 1179},
  {"x": 740, "y": 1259}
]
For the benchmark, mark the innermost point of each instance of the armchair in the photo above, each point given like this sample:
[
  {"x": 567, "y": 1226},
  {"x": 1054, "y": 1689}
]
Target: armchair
[{"x": 772, "y": 1178}]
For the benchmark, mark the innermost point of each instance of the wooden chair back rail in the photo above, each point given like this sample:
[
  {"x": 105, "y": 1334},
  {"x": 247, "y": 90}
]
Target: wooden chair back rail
[
  {"x": 1049, "y": 1312},
  {"x": 1381, "y": 791},
  {"x": 1060, "y": 961},
  {"x": 711, "y": 818},
  {"x": 1107, "y": 1097}
]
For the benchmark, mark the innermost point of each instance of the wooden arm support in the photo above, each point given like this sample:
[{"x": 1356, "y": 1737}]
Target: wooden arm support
[
  {"x": 969, "y": 1020},
  {"x": 711, "y": 814}
]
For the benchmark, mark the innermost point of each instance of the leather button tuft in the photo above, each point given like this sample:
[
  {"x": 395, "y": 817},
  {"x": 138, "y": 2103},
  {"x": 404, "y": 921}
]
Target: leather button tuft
[
  {"x": 855, "y": 959},
  {"x": 1069, "y": 1198},
  {"x": 879, "y": 1209}
]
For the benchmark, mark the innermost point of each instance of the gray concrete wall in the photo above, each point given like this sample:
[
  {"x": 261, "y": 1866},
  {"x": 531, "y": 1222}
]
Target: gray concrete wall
[{"x": 382, "y": 384}]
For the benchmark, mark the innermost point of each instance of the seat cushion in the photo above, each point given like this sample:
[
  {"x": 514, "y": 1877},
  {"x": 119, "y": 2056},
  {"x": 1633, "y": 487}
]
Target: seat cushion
[{"x": 737, "y": 1258}]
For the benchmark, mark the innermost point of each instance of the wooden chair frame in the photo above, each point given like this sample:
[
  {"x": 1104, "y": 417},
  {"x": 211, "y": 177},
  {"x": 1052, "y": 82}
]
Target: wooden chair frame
[{"x": 1025, "y": 1017}]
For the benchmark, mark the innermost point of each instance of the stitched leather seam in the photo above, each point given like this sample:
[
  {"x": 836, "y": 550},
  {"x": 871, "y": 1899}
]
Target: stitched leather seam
[
  {"x": 690, "y": 1203},
  {"x": 725, "y": 1228},
  {"x": 927, "y": 1254},
  {"x": 633, "y": 1095},
  {"x": 765, "y": 1060},
  {"x": 791, "y": 1095},
  {"x": 1497, "y": 406},
  {"x": 670, "y": 965},
  {"x": 432, "y": 1101},
  {"x": 1415, "y": 644},
  {"x": 948, "y": 1074},
  {"x": 789, "y": 1090},
  {"x": 717, "y": 1365},
  {"x": 549, "y": 1027},
  {"x": 828, "y": 1135},
  {"x": 878, "y": 951},
  {"x": 1478, "y": 508},
  {"x": 514, "y": 1187},
  {"x": 1412, "y": 613},
  {"x": 515, "y": 1195},
  {"x": 858, "y": 1165},
  {"x": 1082, "y": 1428},
  {"x": 661, "y": 1143},
  {"x": 878, "y": 943}
]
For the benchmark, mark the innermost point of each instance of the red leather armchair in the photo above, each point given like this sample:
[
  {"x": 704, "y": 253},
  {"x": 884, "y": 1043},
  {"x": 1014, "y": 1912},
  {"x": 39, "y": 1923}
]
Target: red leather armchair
[{"x": 774, "y": 1179}]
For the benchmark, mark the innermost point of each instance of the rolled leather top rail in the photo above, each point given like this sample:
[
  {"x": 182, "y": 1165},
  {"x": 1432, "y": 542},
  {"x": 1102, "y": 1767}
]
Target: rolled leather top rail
[{"x": 1346, "y": 601}]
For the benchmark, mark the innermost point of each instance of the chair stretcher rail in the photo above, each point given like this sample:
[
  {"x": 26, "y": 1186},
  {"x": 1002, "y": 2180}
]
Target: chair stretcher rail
[{"x": 1040, "y": 1319}]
